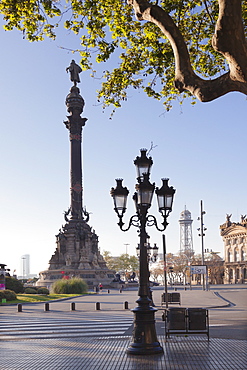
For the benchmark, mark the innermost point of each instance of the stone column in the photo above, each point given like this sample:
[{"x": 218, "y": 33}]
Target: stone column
[
  {"x": 75, "y": 104},
  {"x": 234, "y": 274}
]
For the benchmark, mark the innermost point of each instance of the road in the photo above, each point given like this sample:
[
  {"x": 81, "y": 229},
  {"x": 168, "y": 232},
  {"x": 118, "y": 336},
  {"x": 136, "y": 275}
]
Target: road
[{"x": 228, "y": 320}]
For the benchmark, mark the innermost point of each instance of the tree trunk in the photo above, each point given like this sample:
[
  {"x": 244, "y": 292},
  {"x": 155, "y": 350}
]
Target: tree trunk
[{"x": 229, "y": 40}]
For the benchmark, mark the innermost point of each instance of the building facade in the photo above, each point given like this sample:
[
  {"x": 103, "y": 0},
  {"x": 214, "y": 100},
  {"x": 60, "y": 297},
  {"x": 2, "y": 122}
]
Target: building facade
[{"x": 234, "y": 235}]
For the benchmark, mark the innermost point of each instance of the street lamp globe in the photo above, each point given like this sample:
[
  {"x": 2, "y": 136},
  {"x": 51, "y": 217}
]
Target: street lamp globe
[
  {"x": 165, "y": 197},
  {"x": 155, "y": 251},
  {"x": 143, "y": 164},
  {"x": 119, "y": 195},
  {"x": 149, "y": 248},
  {"x": 145, "y": 192},
  {"x": 138, "y": 250}
]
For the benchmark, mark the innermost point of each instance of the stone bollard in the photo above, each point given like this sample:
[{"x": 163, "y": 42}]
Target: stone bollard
[
  {"x": 72, "y": 307},
  {"x": 46, "y": 308},
  {"x": 126, "y": 305},
  {"x": 97, "y": 306},
  {"x": 19, "y": 307}
]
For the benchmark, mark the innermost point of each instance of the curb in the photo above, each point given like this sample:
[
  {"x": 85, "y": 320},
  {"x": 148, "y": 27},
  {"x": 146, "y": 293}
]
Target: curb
[
  {"x": 52, "y": 300},
  {"x": 229, "y": 304}
]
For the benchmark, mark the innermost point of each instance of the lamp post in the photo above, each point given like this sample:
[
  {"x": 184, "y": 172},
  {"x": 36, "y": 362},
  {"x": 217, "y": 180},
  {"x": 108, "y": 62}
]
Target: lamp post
[
  {"x": 202, "y": 229},
  {"x": 144, "y": 341},
  {"x": 152, "y": 254},
  {"x": 126, "y": 248},
  {"x": 188, "y": 263}
]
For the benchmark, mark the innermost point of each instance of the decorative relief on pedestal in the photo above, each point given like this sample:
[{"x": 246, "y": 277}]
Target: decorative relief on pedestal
[
  {"x": 77, "y": 188},
  {"x": 68, "y": 260},
  {"x": 76, "y": 137}
]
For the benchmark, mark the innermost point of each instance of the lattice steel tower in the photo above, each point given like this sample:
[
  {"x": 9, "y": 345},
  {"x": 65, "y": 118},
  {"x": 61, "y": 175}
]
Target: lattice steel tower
[{"x": 186, "y": 240}]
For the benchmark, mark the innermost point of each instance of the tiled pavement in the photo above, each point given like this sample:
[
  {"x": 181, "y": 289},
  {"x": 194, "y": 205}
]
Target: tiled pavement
[
  {"x": 99, "y": 352},
  {"x": 77, "y": 326},
  {"x": 194, "y": 353}
]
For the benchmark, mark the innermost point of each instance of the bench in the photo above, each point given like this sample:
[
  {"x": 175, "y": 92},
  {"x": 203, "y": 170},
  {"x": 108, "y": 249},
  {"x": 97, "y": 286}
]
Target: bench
[
  {"x": 186, "y": 321},
  {"x": 171, "y": 298}
]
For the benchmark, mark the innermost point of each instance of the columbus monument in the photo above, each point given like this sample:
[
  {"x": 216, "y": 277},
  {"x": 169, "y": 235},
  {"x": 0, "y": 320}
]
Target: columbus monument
[{"x": 77, "y": 253}]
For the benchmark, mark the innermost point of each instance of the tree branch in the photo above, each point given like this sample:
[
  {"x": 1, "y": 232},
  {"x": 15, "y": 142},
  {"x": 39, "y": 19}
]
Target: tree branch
[
  {"x": 185, "y": 77},
  {"x": 229, "y": 38}
]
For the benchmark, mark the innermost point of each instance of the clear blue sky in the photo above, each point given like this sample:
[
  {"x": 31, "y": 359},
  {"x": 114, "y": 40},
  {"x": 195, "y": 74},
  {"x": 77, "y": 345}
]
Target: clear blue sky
[{"x": 201, "y": 148}]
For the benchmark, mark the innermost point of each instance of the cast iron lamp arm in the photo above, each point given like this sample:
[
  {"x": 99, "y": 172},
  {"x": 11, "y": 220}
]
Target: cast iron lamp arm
[
  {"x": 151, "y": 220},
  {"x": 134, "y": 221}
]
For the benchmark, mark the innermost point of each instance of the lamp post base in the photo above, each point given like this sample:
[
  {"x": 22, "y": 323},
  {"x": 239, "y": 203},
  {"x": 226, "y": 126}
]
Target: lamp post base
[{"x": 144, "y": 341}]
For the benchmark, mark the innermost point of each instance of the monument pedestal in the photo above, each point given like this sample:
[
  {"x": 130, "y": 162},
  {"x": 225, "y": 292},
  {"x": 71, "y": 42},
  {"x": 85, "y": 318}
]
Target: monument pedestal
[{"x": 77, "y": 255}]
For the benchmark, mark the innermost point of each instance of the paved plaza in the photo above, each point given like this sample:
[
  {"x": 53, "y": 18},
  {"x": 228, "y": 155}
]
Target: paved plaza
[
  {"x": 109, "y": 353},
  {"x": 97, "y": 339}
]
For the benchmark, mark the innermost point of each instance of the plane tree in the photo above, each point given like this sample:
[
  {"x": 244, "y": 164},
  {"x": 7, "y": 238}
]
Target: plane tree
[
  {"x": 123, "y": 264},
  {"x": 171, "y": 49}
]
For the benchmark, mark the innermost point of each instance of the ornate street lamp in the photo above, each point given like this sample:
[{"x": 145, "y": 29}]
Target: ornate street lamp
[
  {"x": 202, "y": 229},
  {"x": 154, "y": 249},
  {"x": 144, "y": 341},
  {"x": 152, "y": 254}
]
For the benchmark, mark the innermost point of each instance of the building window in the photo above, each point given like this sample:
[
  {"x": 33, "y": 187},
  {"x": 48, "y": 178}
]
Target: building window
[
  {"x": 243, "y": 255},
  {"x": 236, "y": 255},
  {"x": 237, "y": 275},
  {"x": 228, "y": 256}
]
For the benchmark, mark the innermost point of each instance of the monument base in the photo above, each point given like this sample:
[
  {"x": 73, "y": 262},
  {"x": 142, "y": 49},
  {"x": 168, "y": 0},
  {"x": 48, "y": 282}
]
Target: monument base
[
  {"x": 92, "y": 277},
  {"x": 77, "y": 255}
]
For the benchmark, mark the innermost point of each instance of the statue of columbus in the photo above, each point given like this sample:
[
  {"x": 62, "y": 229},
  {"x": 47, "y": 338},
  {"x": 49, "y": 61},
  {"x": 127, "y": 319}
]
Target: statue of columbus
[{"x": 74, "y": 70}]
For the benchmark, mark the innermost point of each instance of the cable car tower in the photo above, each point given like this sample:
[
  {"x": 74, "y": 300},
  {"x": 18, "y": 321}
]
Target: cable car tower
[{"x": 186, "y": 240}]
